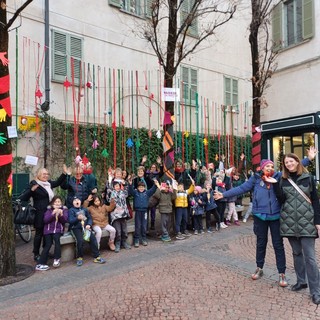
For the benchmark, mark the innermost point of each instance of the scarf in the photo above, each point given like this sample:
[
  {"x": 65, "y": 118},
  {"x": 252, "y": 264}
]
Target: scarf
[{"x": 47, "y": 186}]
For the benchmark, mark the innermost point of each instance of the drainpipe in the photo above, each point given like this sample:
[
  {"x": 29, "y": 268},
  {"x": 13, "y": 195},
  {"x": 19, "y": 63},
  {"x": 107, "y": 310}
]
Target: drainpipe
[{"x": 46, "y": 105}]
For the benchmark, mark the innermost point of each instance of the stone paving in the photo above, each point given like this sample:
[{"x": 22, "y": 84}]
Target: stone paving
[{"x": 203, "y": 277}]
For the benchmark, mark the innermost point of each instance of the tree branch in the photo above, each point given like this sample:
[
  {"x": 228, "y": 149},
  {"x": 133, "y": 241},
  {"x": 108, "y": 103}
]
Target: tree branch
[{"x": 16, "y": 14}]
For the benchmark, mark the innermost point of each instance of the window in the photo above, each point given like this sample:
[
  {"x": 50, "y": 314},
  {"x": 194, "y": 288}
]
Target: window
[
  {"x": 189, "y": 78},
  {"x": 231, "y": 92},
  {"x": 292, "y": 22},
  {"x": 186, "y": 8},
  {"x": 66, "y": 46},
  {"x": 137, "y": 7}
]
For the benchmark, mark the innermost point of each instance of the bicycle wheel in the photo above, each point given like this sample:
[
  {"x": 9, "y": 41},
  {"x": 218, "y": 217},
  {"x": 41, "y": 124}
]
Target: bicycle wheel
[{"x": 24, "y": 232}]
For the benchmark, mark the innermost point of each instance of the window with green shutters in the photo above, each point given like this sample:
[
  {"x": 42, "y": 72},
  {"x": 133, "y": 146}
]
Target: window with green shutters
[
  {"x": 141, "y": 8},
  {"x": 231, "y": 92},
  {"x": 66, "y": 46},
  {"x": 189, "y": 78},
  {"x": 292, "y": 22},
  {"x": 186, "y": 7}
]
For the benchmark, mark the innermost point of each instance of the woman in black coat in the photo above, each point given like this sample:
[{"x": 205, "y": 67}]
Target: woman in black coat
[{"x": 40, "y": 190}]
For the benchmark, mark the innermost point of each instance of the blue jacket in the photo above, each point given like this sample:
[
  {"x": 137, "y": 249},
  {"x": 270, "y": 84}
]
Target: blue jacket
[
  {"x": 141, "y": 199},
  {"x": 265, "y": 204},
  {"x": 73, "y": 218},
  {"x": 210, "y": 204}
]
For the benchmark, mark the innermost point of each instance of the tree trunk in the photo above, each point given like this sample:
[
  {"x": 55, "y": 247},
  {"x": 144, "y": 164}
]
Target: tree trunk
[
  {"x": 7, "y": 236},
  {"x": 256, "y": 86}
]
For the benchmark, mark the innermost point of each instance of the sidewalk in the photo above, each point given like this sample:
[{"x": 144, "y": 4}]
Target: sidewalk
[{"x": 203, "y": 277}]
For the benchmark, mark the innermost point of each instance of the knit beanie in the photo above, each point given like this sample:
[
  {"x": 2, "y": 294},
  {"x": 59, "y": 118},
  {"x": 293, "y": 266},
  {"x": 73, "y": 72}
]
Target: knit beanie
[
  {"x": 264, "y": 162},
  {"x": 198, "y": 188}
]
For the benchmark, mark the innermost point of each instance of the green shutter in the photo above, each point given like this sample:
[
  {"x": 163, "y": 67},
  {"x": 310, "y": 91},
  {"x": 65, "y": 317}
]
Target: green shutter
[
  {"x": 148, "y": 9},
  {"x": 184, "y": 10},
  {"x": 235, "y": 92},
  {"x": 76, "y": 54},
  {"x": 307, "y": 26},
  {"x": 185, "y": 81},
  {"x": 193, "y": 85},
  {"x": 59, "y": 70},
  {"x": 115, "y": 3},
  {"x": 277, "y": 26}
]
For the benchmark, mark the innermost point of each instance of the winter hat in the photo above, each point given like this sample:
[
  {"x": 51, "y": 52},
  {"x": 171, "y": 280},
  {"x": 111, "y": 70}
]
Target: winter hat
[
  {"x": 264, "y": 162},
  {"x": 198, "y": 188}
]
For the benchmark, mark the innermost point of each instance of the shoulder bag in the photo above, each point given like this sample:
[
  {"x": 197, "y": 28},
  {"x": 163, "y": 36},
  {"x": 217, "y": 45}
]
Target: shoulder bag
[{"x": 24, "y": 214}]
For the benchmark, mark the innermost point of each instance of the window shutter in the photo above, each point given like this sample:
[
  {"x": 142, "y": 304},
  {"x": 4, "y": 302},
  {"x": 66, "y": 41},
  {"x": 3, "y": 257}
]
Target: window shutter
[
  {"x": 194, "y": 85},
  {"x": 185, "y": 84},
  {"x": 59, "y": 64},
  {"x": 307, "y": 26},
  {"x": 148, "y": 9},
  {"x": 277, "y": 26},
  {"x": 76, "y": 54},
  {"x": 115, "y": 3},
  {"x": 227, "y": 91},
  {"x": 235, "y": 92},
  {"x": 184, "y": 9}
]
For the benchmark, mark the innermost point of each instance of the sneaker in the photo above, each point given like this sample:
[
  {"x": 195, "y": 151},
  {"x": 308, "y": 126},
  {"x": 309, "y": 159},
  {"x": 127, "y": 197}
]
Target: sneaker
[
  {"x": 228, "y": 223},
  {"x": 223, "y": 225},
  {"x": 136, "y": 244},
  {"x": 244, "y": 220},
  {"x": 179, "y": 236},
  {"x": 56, "y": 263},
  {"x": 201, "y": 231},
  {"x": 111, "y": 245},
  {"x": 209, "y": 230},
  {"x": 79, "y": 262},
  {"x": 237, "y": 223},
  {"x": 99, "y": 260},
  {"x": 144, "y": 243},
  {"x": 258, "y": 274},
  {"x": 282, "y": 280},
  {"x": 42, "y": 267},
  {"x": 186, "y": 234},
  {"x": 165, "y": 238},
  {"x": 195, "y": 232},
  {"x": 126, "y": 246}
]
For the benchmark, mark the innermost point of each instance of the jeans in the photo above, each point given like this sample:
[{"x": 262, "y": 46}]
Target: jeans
[
  {"x": 181, "y": 219},
  {"x": 260, "y": 228},
  {"x": 78, "y": 236},
  {"x": 208, "y": 217},
  {"x": 248, "y": 212},
  {"x": 165, "y": 224},
  {"x": 38, "y": 237},
  {"x": 140, "y": 225},
  {"x": 221, "y": 209},
  {"x": 121, "y": 229},
  {"x": 50, "y": 238},
  {"x": 197, "y": 218},
  {"x": 305, "y": 263}
]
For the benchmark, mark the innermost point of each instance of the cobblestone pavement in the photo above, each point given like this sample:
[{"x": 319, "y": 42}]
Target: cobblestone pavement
[{"x": 203, "y": 277}]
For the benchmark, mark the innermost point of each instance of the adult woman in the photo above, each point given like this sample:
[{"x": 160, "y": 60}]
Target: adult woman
[
  {"x": 300, "y": 221},
  {"x": 40, "y": 190}
]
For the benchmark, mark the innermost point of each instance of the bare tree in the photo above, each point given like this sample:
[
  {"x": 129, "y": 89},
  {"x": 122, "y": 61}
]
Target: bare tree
[
  {"x": 175, "y": 30},
  {"x": 7, "y": 243},
  {"x": 263, "y": 58}
]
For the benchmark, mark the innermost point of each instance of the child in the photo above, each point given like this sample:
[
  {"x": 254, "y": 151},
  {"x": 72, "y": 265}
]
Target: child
[
  {"x": 99, "y": 213},
  {"x": 181, "y": 204},
  {"x": 197, "y": 206},
  {"x": 54, "y": 219},
  {"x": 120, "y": 215},
  {"x": 165, "y": 195},
  {"x": 222, "y": 203},
  {"x": 232, "y": 212},
  {"x": 80, "y": 222},
  {"x": 210, "y": 208},
  {"x": 140, "y": 201}
]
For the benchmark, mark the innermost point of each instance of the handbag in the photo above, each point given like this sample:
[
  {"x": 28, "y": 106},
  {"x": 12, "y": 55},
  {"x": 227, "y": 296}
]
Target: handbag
[
  {"x": 299, "y": 190},
  {"x": 24, "y": 214}
]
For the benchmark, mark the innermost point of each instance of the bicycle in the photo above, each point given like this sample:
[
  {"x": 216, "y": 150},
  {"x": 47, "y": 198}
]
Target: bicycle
[{"x": 24, "y": 231}]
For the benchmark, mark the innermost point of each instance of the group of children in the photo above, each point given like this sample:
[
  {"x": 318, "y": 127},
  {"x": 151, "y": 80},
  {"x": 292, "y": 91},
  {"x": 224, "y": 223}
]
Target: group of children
[{"x": 110, "y": 211}]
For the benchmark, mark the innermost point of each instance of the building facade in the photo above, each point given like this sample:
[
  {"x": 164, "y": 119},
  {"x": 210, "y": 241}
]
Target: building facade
[{"x": 291, "y": 123}]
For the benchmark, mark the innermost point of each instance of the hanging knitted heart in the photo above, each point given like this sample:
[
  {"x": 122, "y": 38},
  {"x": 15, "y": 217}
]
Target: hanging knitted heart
[
  {"x": 105, "y": 153},
  {"x": 129, "y": 143}
]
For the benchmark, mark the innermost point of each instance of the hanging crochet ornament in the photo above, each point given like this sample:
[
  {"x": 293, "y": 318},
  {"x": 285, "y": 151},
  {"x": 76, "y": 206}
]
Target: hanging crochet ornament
[
  {"x": 186, "y": 134},
  {"x": 129, "y": 143},
  {"x": 67, "y": 83},
  {"x": 205, "y": 141},
  {"x": 95, "y": 144},
  {"x": 10, "y": 185},
  {"x": 138, "y": 143},
  {"x": 3, "y": 139},
  {"x": 89, "y": 84},
  {"x": 158, "y": 134},
  {"x": 105, "y": 153},
  {"x": 38, "y": 94}
]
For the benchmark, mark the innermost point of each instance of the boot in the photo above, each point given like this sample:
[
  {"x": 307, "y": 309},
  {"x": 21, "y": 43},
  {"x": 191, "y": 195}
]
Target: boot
[
  {"x": 111, "y": 245},
  {"x": 125, "y": 245},
  {"x": 117, "y": 248}
]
